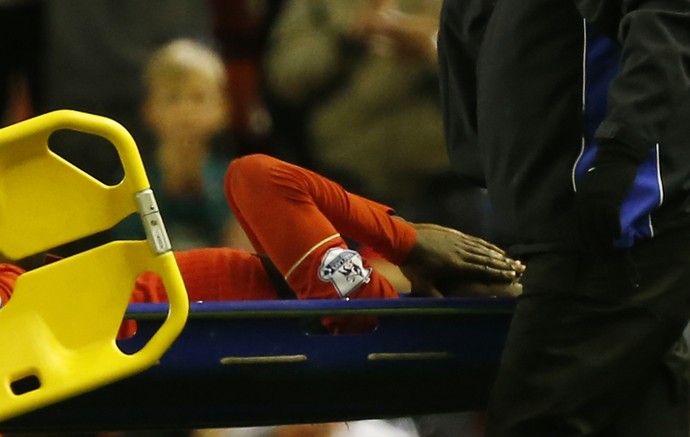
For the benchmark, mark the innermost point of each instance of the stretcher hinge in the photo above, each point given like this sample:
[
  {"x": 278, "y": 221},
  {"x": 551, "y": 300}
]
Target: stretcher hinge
[{"x": 153, "y": 222}]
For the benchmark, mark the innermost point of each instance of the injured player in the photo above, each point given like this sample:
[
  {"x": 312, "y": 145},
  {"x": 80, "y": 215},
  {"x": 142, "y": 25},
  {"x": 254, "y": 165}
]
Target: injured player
[{"x": 297, "y": 220}]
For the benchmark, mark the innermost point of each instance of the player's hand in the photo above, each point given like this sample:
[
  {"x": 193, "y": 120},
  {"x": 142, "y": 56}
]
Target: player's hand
[
  {"x": 600, "y": 195},
  {"x": 481, "y": 289},
  {"x": 442, "y": 254}
]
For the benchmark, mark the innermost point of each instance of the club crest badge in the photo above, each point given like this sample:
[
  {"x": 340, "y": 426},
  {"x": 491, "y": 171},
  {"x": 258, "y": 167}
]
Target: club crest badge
[{"x": 345, "y": 269}]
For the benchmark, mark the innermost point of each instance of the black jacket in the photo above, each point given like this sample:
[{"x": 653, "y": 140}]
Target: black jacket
[{"x": 530, "y": 89}]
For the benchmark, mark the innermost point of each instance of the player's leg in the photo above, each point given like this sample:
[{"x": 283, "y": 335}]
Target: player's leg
[{"x": 212, "y": 274}]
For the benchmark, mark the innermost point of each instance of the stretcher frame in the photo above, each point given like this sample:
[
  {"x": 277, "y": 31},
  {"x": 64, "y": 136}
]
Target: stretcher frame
[{"x": 265, "y": 363}]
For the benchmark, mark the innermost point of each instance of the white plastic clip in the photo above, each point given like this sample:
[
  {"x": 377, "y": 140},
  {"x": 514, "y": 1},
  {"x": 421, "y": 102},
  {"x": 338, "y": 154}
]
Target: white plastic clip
[{"x": 153, "y": 222}]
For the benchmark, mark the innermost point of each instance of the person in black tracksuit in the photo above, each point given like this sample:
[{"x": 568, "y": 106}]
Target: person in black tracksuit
[{"x": 575, "y": 114}]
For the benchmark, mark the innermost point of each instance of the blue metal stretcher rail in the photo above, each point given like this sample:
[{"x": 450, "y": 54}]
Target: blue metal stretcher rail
[{"x": 261, "y": 363}]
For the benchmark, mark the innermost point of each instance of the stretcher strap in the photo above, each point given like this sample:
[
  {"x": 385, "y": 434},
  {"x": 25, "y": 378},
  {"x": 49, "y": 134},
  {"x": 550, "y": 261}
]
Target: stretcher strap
[{"x": 282, "y": 288}]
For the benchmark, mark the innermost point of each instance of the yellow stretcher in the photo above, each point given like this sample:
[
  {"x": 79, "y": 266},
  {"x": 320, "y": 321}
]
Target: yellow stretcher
[{"x": 59, "y": 329}]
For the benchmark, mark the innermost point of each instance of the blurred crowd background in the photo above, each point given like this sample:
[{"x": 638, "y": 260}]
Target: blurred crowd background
[{"x": 348, "y": 88}]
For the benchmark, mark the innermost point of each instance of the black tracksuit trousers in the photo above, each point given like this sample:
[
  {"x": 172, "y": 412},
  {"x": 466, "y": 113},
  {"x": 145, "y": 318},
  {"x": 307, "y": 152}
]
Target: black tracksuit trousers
[{"x": 595, "y": 347}]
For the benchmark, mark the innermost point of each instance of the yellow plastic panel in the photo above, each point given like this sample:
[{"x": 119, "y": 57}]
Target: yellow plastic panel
[
  {"x": 62, "y": 321},
  {"x": 45, "y": 201}
]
